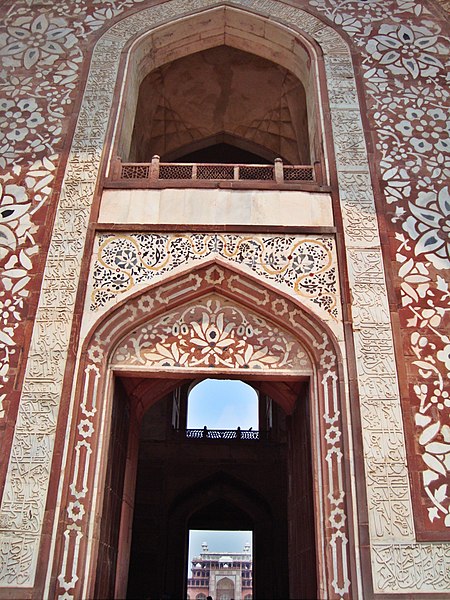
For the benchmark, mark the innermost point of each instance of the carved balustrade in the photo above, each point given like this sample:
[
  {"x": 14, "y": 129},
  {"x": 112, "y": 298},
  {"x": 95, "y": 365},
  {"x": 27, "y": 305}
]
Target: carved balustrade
[
  {"x": 223, "y": 434},
  {"x": 156, "y": 171}
]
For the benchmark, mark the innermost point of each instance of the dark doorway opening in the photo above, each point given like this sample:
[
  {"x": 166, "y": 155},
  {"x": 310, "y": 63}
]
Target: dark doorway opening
[{"x": 263, "y": 485}]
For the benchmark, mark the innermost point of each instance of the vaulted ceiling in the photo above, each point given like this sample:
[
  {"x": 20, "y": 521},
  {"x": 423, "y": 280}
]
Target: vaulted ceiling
[{"x": 221, "y": 91}]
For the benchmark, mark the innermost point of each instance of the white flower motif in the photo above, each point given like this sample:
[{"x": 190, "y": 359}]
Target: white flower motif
[
  {"x": 212, "y": 337},
  {"x": 76, "y": 511},
  {"x": 13, "y": 209},
  {"x": 333, "y": 435},
  {"x": 279, "y": 307},
  {"x": 337, "y": 518},
  {"x": 17, "y": 123},
  {"x": 441, "y": 399},
  {"x": 85, "y": 428},
  {"x": 425, "y": 128},
  {"x": 145, "y": 303},
  {"x": 214, "y": 275},
  {"x": 444, "y": 356},
  {"x": 429, "y": 225},
  {"x": 406, "y": 50},
  {"x": 95, "y": 353},
  {"x": 39, "y": 40},
  {"x": 327, "y": 359}
]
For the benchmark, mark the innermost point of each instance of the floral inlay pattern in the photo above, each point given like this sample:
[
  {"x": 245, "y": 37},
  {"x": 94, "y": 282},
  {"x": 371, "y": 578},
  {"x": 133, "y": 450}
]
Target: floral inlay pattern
[
  {"x": 30, "y": 40},
  {"x": 213, "y": 333},
  {"x": 406, "y": 50},
  {"x": 305, "y": 264},
  {"x": 429, "y": 226}
]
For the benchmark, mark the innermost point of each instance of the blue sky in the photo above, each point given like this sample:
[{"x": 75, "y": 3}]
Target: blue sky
[
  {"x": 218, "y": 541},
  {"x": 222, "y": 404}
]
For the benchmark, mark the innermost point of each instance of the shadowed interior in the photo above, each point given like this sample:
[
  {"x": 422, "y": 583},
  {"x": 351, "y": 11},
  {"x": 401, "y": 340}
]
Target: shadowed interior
[
  {"x": 181, "y": 484},
  {"x": 216, "y": 93}
]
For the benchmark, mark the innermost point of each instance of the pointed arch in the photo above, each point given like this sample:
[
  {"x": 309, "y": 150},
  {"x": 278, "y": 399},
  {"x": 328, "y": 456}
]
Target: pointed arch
[
  {"x": 83, "y": 478},
  {"x": 210, "y": 276},
  {"x": 239, "y": 27}
]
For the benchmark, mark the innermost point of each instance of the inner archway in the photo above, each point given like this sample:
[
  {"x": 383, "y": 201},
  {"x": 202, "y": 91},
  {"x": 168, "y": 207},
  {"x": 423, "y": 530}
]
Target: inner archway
[
  {"x": 225, "y": 589},
  {"x": 217, "y": 553},
  {"x": 180, "y": 475}
]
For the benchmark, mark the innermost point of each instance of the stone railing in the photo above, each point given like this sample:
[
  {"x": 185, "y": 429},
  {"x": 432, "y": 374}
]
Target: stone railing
[
  {"x": 157, "y": 171},
  {"x": 222, "y": 434}
]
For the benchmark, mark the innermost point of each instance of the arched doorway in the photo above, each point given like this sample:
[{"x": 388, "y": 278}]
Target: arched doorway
[
  {"x": 225, "y": 589},
  {"x": 223, "y": 480},
  {"x": 150, "y": 334}
]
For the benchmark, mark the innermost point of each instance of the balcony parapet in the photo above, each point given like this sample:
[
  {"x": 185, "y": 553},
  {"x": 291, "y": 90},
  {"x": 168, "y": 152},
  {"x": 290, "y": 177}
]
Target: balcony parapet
[
  {"x": 162, "y": 174},
  {"x": 224, "y": 434}
]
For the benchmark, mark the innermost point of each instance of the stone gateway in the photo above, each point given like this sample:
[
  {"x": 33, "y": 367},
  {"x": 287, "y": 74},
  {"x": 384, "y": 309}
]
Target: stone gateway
[{"x": 204, "y": 189}]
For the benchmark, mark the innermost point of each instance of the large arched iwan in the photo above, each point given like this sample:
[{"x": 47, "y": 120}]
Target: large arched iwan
[{"x": 309, "y": 346}]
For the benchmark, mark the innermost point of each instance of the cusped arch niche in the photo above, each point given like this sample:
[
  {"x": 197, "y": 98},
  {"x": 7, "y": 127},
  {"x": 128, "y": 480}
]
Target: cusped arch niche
[
  {"x": 259, "y": 78},
  {"x": 225, "y": 584},
  {"x": 268, "y": 333}
]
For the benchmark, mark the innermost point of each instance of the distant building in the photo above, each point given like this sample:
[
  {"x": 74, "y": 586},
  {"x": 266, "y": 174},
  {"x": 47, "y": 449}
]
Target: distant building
[{"x": 221, "y": 576}]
